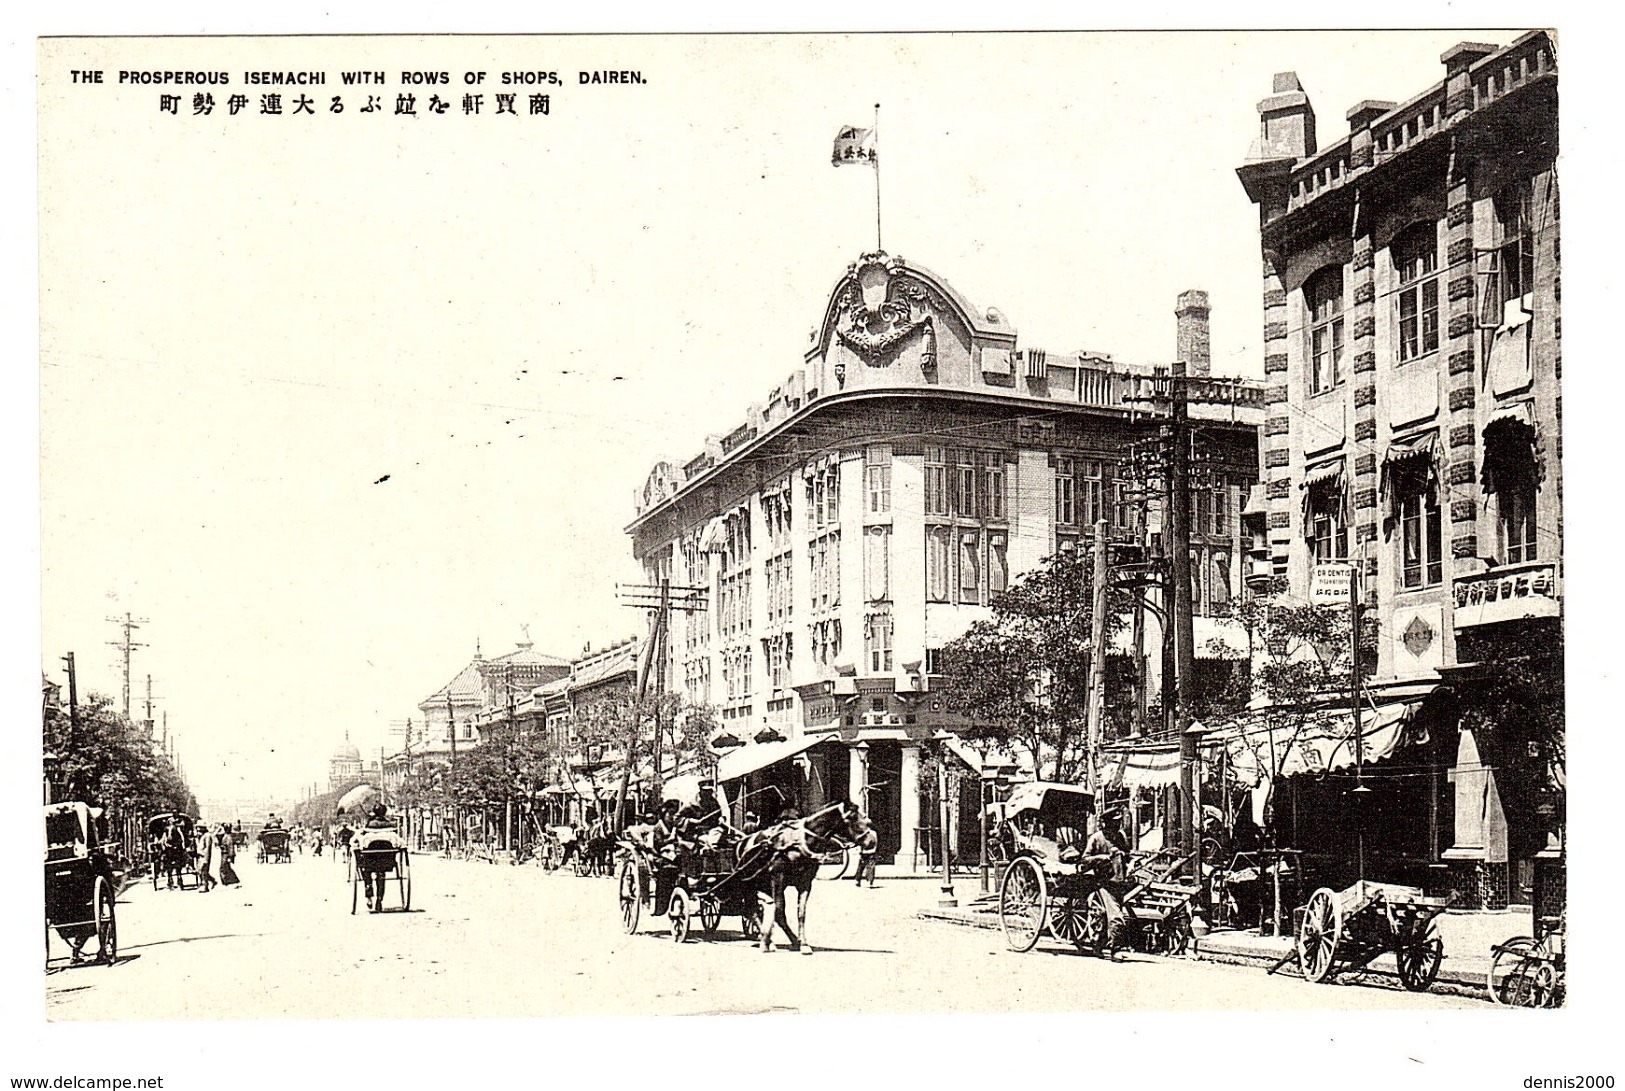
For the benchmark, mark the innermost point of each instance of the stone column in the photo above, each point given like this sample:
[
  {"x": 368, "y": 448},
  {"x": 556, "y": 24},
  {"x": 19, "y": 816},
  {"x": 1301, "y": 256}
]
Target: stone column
[
  {"x": 858, "y": 776},
  {"x": 908, "y": 789}
]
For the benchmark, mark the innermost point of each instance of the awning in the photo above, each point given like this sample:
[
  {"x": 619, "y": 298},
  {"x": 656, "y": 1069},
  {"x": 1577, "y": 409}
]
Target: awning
[
  {"x": 715, "y": 535},
  {"x": 1520, "y": 412},
  {"x": 1319, "y": 481},
  {"x": 1151, "y": 766},
  {"x": 1321, "y": 743},
  {"x": 1509, "y": 447},
  {"x": 759, "y": 755}
]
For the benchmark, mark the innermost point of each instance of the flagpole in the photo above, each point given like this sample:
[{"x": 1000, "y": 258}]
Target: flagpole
[{"x": 878, "y": 247}]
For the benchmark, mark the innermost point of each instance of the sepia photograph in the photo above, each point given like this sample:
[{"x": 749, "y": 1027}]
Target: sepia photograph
[{"x": 555, "y": 527}]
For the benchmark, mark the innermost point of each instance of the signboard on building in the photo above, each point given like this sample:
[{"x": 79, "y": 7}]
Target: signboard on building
[{"x": 1329, "y": 584}]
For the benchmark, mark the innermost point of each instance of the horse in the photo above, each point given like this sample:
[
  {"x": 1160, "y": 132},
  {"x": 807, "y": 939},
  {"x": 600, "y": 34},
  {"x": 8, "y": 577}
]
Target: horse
[{"x": 787, "y": 855}]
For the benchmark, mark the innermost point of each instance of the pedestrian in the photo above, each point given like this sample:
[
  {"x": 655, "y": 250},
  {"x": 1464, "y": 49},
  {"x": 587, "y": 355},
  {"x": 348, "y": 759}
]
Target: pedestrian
[
  {"x": 751, "y": 824},
  {"x": 868, "y": 844},
  {"x": 228, "y": 853},
  {"x": 376, "y": 846},
  {"x": 208, "y": 859}
]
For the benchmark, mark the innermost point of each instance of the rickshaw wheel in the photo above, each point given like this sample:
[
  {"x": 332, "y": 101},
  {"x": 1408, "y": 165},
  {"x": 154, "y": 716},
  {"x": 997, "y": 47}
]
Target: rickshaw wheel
[
  {"x": 1318, "y": 935},
  {"x": 106, "y": 923},
  {"x": 710, "y": 915},
  {"x": 629, "y": 884},
  {"x": 680, "y": 914},
  {"x": 1023, "y": 904},
  {"x": 1092, "y": 932},
  {"x": 1419, "y": 962}
]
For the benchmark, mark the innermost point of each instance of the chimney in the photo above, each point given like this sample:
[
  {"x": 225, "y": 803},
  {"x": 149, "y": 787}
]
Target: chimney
[
  {"x": 1286, "y": 122},
  {"x": 1192, "y": 345}
]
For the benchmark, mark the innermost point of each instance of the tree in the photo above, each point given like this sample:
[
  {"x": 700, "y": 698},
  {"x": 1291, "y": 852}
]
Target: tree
[{"x": 1022, "y": 676}]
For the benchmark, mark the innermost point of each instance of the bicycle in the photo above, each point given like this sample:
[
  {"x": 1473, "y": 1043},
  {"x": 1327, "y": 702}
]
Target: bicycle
[{"x": 1526, "y": 972}]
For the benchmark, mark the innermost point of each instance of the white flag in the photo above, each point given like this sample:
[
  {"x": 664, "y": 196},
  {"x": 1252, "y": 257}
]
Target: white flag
[{"x": 855, "y": 146}]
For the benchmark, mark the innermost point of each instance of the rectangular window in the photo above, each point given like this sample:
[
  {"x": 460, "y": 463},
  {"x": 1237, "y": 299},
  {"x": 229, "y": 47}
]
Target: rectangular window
[
  {"x": 936, "y": 481},
  {"x": 1066, "y": 500},
  {"x": 1515, "y": 522},
  {"x": 965, "y": 498},
  {"x": 1221, "y": 511},
  {"x": 1324, "y": 294},
  {"x": 877, "y": 640},
  {"x": 1328, "y": 537},
  {"x": 938, "y": 563},
  {"x": 970, "y": 567},
  {"x": 877, "y": 563},
  {"x": 1515, "y": 257},
  {"x": 998, "y": 564},
  {"x": 993, "y": 481},
  {"x": 1091, "y": 492},
  {"x": 1416, "y": 260},
  {"x": 877, "y": 479},
  {"x": 1421, "y": 531}
]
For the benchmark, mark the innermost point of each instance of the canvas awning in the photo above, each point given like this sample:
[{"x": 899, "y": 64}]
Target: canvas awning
[
  {"x": 759, "y": 755},
  {"x": 1420, "y": 451},
  {"x": 1150, "y": 766},
  {"x": 1322, "y": 743}
]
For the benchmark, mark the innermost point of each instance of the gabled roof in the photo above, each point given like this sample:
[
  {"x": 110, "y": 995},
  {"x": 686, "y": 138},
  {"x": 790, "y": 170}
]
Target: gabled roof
[
  {"x": 525, "y": 654},
  {"x": 465, "y": 687}
]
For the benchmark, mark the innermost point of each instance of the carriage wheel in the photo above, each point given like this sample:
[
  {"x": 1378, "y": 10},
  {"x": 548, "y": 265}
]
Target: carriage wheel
[
  {"x": 1176, "y": 933},
  {"x": 680, "y": 914},
  {"x": 1092, "y": 932},
  {"x": 750, "y": 921},
  {"x": 1419, "y": 961},
  {"x": 710, "y": 914},
  {"x": 1318, "y": 936},
  {"x": 834, "y": 865},
  {"x": 630, "y": 887},
  {"x": 106, "y": 924},
  {"x": 1023, "y": 904},
  {"x": 406, "y": 893}
]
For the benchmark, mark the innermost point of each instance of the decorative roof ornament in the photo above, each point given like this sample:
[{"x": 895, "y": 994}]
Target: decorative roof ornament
[{"x": 879, "y": 310}]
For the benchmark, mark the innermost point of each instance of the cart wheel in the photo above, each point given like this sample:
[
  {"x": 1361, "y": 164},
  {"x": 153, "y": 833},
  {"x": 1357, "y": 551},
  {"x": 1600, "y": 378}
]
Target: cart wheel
[
  {"x": 106, "y": 924},
  {"x": 1318, "y": 936},
  {"x": 1176, "y": 933},
  {"x": 1092, "y": 931},
  {"x": 1419, "y": 962},
  {"x": 750, "y": 921},
  {"x": 1023, "y": 904},
  {"x": 1519, "y": 977},
  {"x": 834, "y": 865},
  {"x": 406, "y": 893},
  {"x": 710, "y": 914},
  {"x": 630, "y": 887},
  {"x": 679, "y": 913}
]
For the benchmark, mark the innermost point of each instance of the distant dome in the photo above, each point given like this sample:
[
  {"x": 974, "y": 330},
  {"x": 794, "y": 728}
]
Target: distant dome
[{"x": 347, "y": 753}]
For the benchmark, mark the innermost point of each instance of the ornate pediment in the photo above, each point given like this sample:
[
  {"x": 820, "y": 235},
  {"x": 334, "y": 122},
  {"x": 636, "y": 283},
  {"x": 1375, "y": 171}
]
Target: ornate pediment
[{"x": 879, "y": 307}]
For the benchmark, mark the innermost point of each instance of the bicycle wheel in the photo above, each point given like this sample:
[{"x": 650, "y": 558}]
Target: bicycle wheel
[{"x": 1514, "y": 977}]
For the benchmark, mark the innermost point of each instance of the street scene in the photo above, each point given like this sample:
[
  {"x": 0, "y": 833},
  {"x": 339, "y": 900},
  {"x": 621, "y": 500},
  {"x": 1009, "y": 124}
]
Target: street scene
[{"x": 487, "y": 580}]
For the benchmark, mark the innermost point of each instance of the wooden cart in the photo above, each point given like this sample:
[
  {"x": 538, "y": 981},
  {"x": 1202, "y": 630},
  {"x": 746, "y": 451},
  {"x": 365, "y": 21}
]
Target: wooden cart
[{"x": 1347, "y": 929}]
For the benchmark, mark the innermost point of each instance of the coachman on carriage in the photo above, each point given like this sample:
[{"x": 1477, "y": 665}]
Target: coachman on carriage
[
  {"x": 696, "y": 868},
  {"x": 172, "y": 844},
  {"x": 80, "y": 890}
]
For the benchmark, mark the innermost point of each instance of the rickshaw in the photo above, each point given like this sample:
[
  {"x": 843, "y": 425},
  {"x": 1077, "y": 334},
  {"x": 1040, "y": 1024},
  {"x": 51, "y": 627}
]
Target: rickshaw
[
  {"x": 273, "y": 846},
  {"x": 1045, "y": 888},
  {"x": 172, "y": 845},
  {"x": 79, "y": 885},
  {"x": 392, "y": 865}
]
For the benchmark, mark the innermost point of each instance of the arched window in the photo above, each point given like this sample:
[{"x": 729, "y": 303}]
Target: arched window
[
  {"x": 1416, "y": 265},
  {"x": 1323, "y": 294}
]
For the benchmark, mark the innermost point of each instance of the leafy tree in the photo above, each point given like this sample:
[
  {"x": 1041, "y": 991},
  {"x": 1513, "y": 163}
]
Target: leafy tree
[{"x": 1022, "y": 676}]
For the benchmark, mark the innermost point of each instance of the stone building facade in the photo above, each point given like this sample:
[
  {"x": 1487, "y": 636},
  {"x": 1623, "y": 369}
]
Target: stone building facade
[
  {"x": 1412, "y": 350},
  {"x": 870, "y": 510}
]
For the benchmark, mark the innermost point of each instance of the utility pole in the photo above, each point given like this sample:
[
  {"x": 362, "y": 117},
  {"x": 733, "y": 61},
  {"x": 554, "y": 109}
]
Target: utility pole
[
  {"x": 451, "y": 767},
  {"x": 662, "y": 598},
  {"x": 1097, "y": 657},
  {"x": 73, "y": 713},
  {"x": 147, "y": 723},
  {"x": 128, "y": 624}
]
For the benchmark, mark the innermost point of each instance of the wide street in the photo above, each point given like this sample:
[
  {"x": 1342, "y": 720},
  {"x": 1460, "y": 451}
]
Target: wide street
[{"x": 500, "y": 941}]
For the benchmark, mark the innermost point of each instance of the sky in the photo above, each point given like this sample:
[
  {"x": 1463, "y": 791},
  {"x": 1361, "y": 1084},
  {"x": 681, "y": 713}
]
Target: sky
[{"x": 331, "y": 399}]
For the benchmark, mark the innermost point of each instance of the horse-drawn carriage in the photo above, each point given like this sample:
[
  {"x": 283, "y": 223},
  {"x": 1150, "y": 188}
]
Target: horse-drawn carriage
[
  {"x": 172, "y": 846},
  {"x": 721, "y": 873},
  {"x": 273, "y": 846},
  {"x": 80, "y": 892},
  {"x": 1047, "y": 888}
]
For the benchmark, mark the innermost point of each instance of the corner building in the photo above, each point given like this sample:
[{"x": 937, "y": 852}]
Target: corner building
[
  {"x": 1413, "y": 422},
  {"x": 871, "y": 509}
]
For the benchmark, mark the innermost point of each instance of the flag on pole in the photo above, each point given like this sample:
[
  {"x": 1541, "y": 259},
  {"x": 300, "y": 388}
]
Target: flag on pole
[{"x": 856, "y": 146}]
